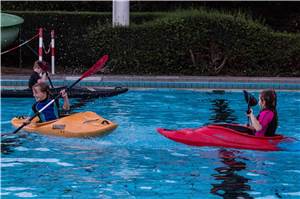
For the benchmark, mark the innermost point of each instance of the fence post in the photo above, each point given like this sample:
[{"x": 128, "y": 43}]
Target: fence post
[
  {"x": 52, "y": 53},
  {"x": 40, "y": 44}
]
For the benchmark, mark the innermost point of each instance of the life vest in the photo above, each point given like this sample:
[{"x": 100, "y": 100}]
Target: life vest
[
  {"x": 50, "y": 113},
  {"x": 271, "y": 129}
]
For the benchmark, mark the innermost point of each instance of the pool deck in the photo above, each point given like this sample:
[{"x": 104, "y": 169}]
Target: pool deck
[{"x": 19, "y": 81}]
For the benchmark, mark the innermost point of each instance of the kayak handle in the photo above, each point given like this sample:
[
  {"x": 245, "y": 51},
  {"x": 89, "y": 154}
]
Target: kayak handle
[{"x": 105, "y": 122}]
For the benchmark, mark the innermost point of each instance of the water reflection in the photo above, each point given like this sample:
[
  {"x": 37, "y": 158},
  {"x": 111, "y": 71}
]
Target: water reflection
[
  {"x": 221, "y": 112},
  {"x": 9, "y": 142},
  {"x": 81, "y": 102},
  {"x": 231, "y": 184}
]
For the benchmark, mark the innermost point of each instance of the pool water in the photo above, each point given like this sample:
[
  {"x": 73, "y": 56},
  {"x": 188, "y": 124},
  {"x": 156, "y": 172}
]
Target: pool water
[{"x": 135, "y": 161}]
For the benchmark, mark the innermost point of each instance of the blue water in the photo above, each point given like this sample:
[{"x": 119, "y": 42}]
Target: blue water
[{"x": 136, "y": 162}]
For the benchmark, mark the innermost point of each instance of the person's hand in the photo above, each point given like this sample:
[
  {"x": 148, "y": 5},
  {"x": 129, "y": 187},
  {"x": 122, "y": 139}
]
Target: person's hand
[
  {"x": 249, "y": 112},
  {"x": 43, "y": 74},
  {"x": 64, "y": 93},
  {"x": 26, "y": 121}
]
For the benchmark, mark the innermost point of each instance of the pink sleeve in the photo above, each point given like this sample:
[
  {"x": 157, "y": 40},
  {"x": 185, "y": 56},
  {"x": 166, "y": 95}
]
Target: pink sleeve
[{"x": 265, "y": 117}]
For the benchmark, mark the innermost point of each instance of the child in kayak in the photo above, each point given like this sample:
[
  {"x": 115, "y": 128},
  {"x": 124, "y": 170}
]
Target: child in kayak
[
  {"x": 266, "y": 122},
  {"x": 39, "y": 74},
  {"x": 41, "y": 92}
]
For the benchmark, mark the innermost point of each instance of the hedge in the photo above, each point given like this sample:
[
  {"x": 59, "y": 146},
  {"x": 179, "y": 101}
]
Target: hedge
[{"x": 184, "y": 42}]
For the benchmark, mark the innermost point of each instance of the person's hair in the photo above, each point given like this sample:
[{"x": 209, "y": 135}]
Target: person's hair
[
  {"x": 44, "y": 87},
  {"x": 36, "y": 64},
  {"x": 42, "y": 65},
  {"x": 270, "y": 98}
]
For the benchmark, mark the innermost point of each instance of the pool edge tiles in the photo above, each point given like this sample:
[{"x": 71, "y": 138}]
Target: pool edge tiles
[{"x": 167, "y": 84}]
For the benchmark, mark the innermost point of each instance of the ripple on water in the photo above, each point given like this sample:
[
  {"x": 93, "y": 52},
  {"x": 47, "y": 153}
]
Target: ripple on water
[
  {"x": 17, "y": 188},
  {"x": 35, "y": 160},
  {"x": 292, "y": 194},
  {"x": 252, "y": 174},
  {"x": 293, "y": 171},
  {"x": 267, "y": 197},
  {"x": 25, "y": 195}
]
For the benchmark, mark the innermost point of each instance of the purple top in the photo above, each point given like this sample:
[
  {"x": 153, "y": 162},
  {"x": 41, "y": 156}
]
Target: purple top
[{"x": 265, "y": 117}]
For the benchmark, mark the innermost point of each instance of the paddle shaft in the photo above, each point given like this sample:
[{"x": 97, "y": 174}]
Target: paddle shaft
[{"x": 51, "y": 84}]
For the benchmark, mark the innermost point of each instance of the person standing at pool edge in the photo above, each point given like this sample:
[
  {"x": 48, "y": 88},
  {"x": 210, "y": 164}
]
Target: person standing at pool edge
[
  {"x": 39, "y": 74},
  {"x": 265, "y": 124},
  {"x": 41, "y": 92}
]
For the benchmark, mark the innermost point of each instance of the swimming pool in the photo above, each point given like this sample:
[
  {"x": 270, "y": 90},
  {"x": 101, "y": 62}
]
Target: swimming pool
[{"x": 136, "y": 162}]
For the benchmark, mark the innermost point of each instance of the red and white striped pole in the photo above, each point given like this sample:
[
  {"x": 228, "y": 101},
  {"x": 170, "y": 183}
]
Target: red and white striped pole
[
  {"x": 40, "y": 44},
  {"x": 52, "y": 53}
]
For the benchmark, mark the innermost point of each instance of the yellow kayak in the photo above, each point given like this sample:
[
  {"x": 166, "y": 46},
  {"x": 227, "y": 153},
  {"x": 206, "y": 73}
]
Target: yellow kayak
[{"x": 84, "y": 124}]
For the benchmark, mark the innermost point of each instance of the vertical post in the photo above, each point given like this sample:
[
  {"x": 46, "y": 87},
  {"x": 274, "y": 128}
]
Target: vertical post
[
  {"x": 20, "y": 49},
  {"x": 120, "y": 13},
  {"x": 52, "y": 53},
  {"x": 40, "y": 44}
]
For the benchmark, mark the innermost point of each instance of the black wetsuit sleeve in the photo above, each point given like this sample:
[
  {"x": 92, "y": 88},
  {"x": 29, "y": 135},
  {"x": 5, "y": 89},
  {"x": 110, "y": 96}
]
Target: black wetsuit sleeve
[{"x": 33, "y": 79}]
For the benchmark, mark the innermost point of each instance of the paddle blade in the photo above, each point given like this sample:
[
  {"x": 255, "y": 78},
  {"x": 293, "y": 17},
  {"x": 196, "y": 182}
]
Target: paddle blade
[
  {"x": 250, "y": 99},
  {"x": 96, "y": 67}
]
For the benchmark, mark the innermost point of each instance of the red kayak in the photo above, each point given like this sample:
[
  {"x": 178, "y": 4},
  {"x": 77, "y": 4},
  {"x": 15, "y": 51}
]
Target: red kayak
[{"x": 223, "y": 135}]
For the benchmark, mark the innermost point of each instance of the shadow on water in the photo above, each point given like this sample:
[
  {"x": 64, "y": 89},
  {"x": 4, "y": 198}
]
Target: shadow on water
[{"x": 231, "y": 184}]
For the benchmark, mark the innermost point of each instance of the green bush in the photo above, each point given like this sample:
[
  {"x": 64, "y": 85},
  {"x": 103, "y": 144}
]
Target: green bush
[{"x": 190, "y": 42}]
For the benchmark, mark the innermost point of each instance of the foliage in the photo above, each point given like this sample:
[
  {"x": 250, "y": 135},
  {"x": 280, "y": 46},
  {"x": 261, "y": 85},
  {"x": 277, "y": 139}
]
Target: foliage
[{"x": 183, "y": 42}]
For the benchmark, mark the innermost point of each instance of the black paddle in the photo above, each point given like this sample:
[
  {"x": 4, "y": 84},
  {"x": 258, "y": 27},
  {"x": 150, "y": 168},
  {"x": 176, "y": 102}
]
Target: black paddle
[
  {"x": 95, "y": 68},
  {"x": 51, "y": 84},
  {"x": 251, "y": 101}
]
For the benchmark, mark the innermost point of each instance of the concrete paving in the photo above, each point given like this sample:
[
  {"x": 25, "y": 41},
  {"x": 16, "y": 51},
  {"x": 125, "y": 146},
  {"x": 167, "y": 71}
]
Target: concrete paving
[
  {"x": 295, "y": 80},
  {"x": 19, "y": 81}
]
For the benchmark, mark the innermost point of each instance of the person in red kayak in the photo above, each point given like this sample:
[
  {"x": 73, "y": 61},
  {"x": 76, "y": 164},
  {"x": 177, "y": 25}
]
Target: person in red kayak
[
  {"x": 265, "y": 124},
  {"x": 41, "y": 92},
  {"x": 39, "y": 73}
]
